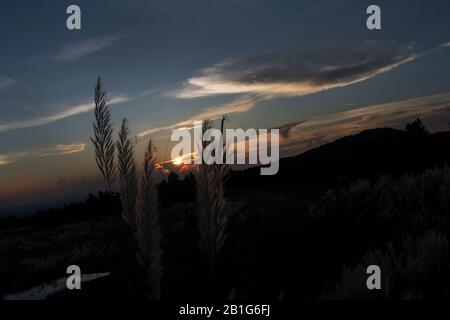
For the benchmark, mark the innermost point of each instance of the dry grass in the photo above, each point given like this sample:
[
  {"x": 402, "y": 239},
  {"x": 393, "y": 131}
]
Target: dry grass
[
  {"x": 148, "y": 228},
  {"x": 408, "y": 272},
  {"x": 103, "y": 141},
  {"x": 211, "y": 216},
  {"x": 139, "y": 202},
  {"x": 127, "y": 174}
]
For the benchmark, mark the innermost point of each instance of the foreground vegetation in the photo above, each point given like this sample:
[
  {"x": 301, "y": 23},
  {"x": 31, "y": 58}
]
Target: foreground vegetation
[{"x": 276, "y": 244}]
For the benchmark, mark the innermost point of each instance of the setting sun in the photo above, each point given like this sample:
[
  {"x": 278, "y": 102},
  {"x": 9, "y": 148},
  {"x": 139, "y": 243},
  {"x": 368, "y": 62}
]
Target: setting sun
[{"x": 178, "y": 161}]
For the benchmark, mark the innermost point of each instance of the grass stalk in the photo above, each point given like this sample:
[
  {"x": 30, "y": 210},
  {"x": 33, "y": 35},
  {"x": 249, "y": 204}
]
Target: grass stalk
[
  {"x": 211, "y": 216},
  {"x": 103, "y": 140},
  {"x": 148, "y": 231},
  {"x": 127, "y": 174}
]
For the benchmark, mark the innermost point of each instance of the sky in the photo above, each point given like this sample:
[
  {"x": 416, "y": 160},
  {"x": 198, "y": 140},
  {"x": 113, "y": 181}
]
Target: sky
[{"x": 310, "y": 68}]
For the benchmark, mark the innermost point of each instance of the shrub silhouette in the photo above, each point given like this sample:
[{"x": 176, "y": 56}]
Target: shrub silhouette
[
  {"x": 412, "y": 211},
  {"x": 415, "y": 270}
]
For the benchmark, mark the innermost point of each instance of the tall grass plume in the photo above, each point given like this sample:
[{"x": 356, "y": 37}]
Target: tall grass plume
[
  {"x": 211, "y": 215},
  {"x": 148, "y": 228},
  {"x": 127, "y": 174},
  {"x": 103, "y": 140}
]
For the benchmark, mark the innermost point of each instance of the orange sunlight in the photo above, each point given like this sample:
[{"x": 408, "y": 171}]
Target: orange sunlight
[{"x": 178, "y": 161}]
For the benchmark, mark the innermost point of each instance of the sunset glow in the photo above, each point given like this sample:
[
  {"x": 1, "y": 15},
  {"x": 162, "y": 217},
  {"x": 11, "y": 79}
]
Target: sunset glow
[{"x": 178, "y": 161}]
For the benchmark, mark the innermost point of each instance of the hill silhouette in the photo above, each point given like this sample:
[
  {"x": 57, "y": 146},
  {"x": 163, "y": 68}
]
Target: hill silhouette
[{"x": 366, "y": 155}]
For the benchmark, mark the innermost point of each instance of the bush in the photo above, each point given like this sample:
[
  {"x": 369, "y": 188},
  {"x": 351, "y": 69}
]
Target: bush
[{"x": 416, "y": 269}]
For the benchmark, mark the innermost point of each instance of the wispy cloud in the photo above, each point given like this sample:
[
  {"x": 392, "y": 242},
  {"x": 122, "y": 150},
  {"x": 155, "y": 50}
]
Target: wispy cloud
[
  {"x": 240, "y": 105},
  {"x": 62, "y": 149},
  {"x": 58, "y": 150},
  {"x": 68, "y": 112},
  {"x": 298, "y": 74},
  {"x": 84, "y": 47},
  {"x": 6, "y": 82},
  {"x": 285, "y": 129}
]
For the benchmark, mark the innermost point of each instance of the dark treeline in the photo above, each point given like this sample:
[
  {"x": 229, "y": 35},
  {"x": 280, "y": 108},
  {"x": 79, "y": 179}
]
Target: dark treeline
[{"x": 172, "y": 191}]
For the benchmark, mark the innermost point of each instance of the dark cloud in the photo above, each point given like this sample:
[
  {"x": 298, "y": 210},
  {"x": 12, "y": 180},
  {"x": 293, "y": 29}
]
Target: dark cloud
[
  {"x": 329, "y": 66},
  {"x": 299, "y": 73}
]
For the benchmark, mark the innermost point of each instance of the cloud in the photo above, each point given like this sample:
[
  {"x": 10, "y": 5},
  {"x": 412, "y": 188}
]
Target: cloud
[
  {"x": 240, "y": 105},
  {"x": 446, "y": 44},
  {"x": 84, "y": 47},
  {"x": 285, "y": 129},
  {"x": 300, "y": 73},
  {"x": 62, "y": 149},
  {"x": 323, "y": 129},
  {"x": 71, "y": 111},
  {"x": 58, "y": 150},
  {"x": 6, "y": 82}
]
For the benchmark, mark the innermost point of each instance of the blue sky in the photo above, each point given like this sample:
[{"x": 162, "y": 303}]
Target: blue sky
[{"x": 265, "y": 63}]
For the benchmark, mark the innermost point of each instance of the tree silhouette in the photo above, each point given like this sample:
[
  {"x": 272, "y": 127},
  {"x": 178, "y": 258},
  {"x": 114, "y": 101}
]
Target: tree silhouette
[{"x": 417, "y": 128}]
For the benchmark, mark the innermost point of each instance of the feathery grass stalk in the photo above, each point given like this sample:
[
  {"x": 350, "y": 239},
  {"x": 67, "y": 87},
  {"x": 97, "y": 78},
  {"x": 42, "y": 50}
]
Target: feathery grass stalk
[
  {"x": 211, "y": 216},
  {"x": 127, "y": 174},
  {"x": 103, "y": 141},
  {"x": 148, "y": 229}
]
